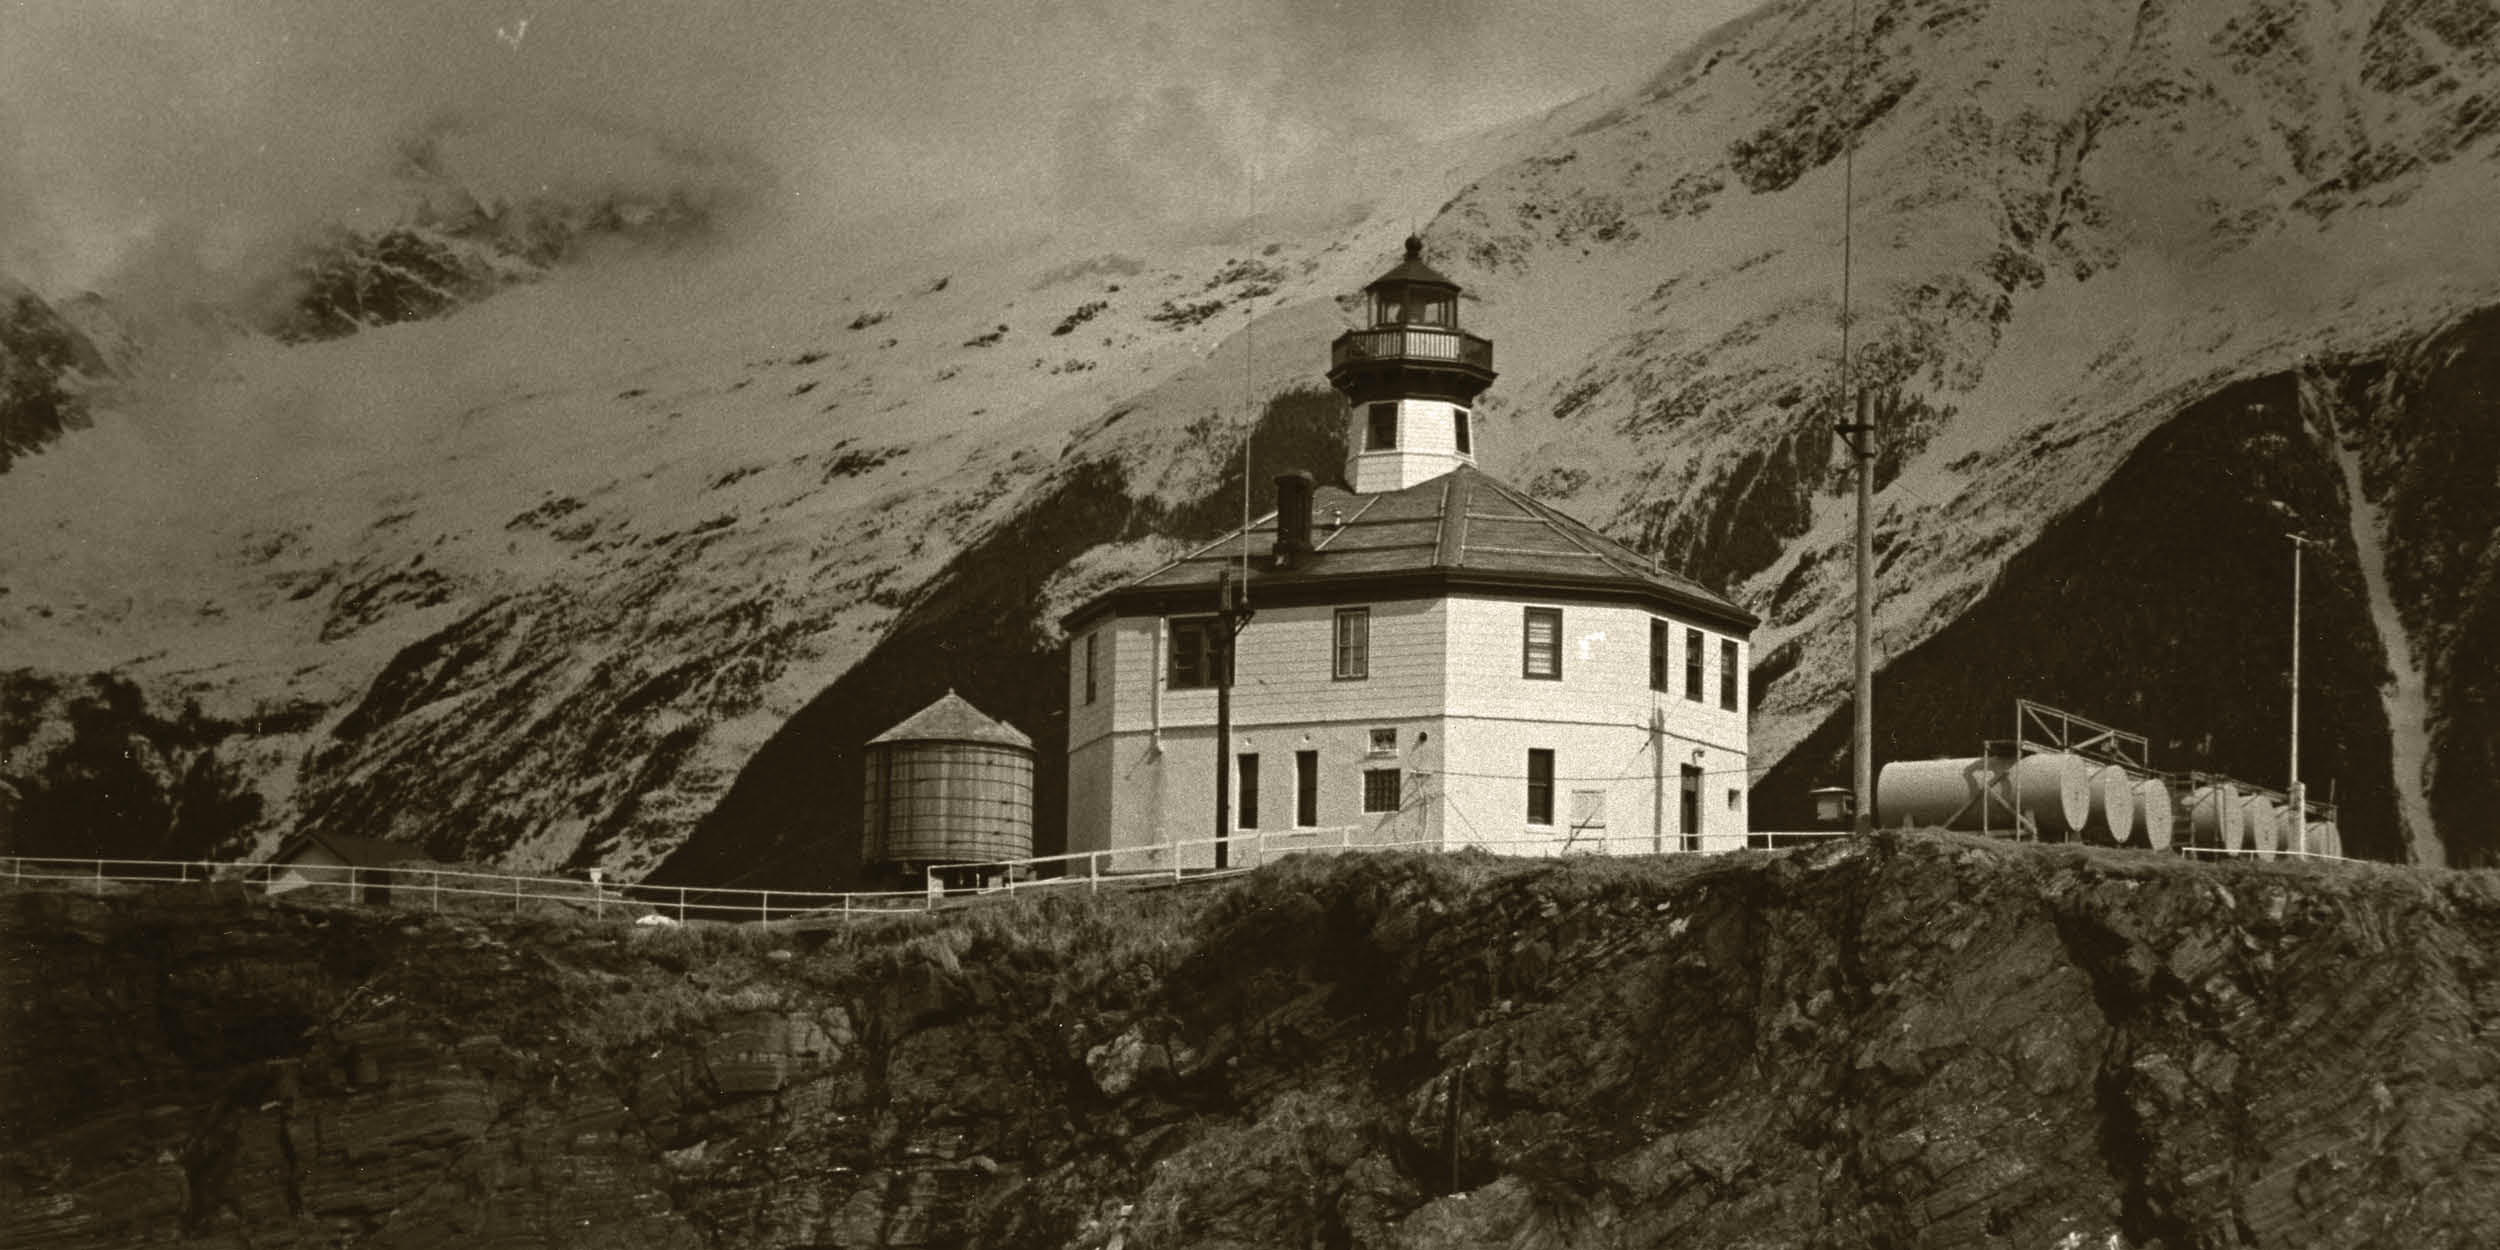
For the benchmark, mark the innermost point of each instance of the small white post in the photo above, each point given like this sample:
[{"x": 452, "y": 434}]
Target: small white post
[
  {"x": 1093, "y": 873},
  {"x": 764, "y": 908},
  {"x": 99, "y": 878},
  {"x": 516, "y": 896},
  {"x": 598, "y": 895},
  {"x": 434, "y": 890},
  {"x": 681, "y": 904}
]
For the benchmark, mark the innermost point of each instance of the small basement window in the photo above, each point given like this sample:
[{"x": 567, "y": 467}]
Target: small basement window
[
  {"x": 1380, "y": 789},
  {"x": 1385, "y": 741}
]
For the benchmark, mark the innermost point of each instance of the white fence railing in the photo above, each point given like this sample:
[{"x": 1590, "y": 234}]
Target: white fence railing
[
  {"x": 438, "y": 888},
  {"x": 1161, "y": 864}
]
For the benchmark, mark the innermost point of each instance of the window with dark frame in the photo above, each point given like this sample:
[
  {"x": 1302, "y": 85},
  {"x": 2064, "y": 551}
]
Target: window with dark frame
[
  {"x": 1193, "y": 654},
  {"x": 1305, "y": 789},
  {"x": 1657, "y": 654},
  {"x": 1540, "y": 786},
  {"x": 1462, "y": 420},
  {"x": 1354, "y": 644},
  {"x": 1089, "y": 664},
  {"x": 1246, "y": 767},
  {"x": 1727, "y": 673},
  {"x": 1540, "y": 645},
  {"x": 1380, "y": 789},
  {"x": 1383, "y": 435},
  {"x": 1692, "y": 665}
]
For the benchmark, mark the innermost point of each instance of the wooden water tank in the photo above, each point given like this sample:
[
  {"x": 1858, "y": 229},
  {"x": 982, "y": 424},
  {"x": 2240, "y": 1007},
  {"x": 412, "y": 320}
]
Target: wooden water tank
[
  {"x": 2111, "y": 818},
  {"x": 2153, "y": 812},
  {"x": 947, "y": 786}
]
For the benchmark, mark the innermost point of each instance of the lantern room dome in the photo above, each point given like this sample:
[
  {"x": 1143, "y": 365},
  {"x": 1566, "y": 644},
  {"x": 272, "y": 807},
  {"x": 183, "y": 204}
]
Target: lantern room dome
[{"x": 1413, "y": 293}]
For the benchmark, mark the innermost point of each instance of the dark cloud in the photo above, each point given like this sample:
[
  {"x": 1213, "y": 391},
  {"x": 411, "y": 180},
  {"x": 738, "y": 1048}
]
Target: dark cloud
[{"x": 178, "y": 144}]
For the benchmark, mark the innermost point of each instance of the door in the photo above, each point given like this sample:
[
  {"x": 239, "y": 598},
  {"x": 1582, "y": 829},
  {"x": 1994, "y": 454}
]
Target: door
[{"x": 1690, "y": 811}]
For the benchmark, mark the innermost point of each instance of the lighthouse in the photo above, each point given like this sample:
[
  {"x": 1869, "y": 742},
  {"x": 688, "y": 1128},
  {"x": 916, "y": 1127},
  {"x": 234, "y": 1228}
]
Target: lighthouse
[
  {"x": 1436, "y": 658},
  {"x": 1411, "y": 377}
]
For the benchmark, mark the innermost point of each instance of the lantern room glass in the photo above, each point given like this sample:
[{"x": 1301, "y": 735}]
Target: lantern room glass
[{"x": 1400, "y": 306}]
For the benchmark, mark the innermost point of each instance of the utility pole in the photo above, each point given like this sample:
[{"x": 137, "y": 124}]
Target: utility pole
[
  {"x": 1232, "y": 612},
  {"x": 2300, "y": 809},
  {"x": 1861, "y": 436}
]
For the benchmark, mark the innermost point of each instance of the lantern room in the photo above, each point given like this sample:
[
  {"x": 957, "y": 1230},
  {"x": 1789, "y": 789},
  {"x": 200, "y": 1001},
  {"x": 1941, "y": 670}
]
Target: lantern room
[
  {"x": 1413, "y": 293},
  {"x": 1412, "y": 377}
]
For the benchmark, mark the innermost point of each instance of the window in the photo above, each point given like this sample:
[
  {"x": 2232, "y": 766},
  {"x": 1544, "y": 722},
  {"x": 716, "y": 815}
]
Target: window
[
  {"x": 1193, "y": 654},
  {"x": 1588, "y": 811},
  {"x": 1657, "y": 654},
  {"x": 1246, "y": 766},
  {"x": 1354, "y": 644},
  {"x": 1727, "y": 673},
  {"x": 1384, "y": 428},
  {"x": 1541, "y": 645},
  {"x": 1692, "y": 665},
  {"x": 1089, "y": 665},
  {"x": 1690, "y": 809},
  {"x": 1380, "y": 789},
  {"x": 1735, "y": 799},
  {"x": 1540, "y": 786},
  {"x": 1305, "y": 789},
  {"x": 1385, "y": 741},
  {"x": 1462, "y": 420}
]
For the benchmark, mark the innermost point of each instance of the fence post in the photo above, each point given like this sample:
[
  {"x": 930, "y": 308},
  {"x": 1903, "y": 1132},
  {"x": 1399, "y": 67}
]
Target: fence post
[
  {"x": 765, "y": 906},
  {"x": 681, "y": 904},
  {"x": 99, "y": 878},
  {"x": 1093, "y": 873},
  {"x": 434, "y": 889},
  {"x": 846, "y": 906},
  {"x": 516, "y": 896}
]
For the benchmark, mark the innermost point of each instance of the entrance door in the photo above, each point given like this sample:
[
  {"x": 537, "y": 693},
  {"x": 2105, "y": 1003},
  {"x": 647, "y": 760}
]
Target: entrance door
[{"x": 1690, "y": 810}]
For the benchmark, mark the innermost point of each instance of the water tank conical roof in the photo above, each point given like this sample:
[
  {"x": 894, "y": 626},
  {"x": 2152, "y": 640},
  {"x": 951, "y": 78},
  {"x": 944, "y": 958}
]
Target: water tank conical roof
[{"x": 952, "y": 718}]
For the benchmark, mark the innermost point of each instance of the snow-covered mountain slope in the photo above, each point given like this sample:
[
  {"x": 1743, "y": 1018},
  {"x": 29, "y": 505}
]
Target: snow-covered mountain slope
[{"x": 622, "y": 564}]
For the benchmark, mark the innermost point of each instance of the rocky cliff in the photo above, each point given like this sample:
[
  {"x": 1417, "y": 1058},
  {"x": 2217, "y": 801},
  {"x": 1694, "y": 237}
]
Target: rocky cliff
[
  {"x": 1914, "y": 1041},
  {"x": 617, "y": 564}
]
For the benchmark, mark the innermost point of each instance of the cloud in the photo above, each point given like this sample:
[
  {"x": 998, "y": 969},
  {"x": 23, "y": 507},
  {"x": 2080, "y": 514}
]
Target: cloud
[{"x": 176, "y": 145}]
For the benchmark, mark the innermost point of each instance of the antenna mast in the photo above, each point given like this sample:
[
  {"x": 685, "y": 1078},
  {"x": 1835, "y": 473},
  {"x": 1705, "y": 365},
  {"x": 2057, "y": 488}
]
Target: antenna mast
[{"x": 1860, "y": 436}]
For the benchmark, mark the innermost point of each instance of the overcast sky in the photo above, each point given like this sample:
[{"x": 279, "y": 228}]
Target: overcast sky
[{"x": 169, "y": 142}]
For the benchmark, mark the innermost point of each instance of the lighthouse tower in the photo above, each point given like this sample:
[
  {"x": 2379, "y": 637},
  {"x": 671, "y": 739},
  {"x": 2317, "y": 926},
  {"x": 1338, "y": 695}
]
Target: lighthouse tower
[{"x": 1412, "y": 377}]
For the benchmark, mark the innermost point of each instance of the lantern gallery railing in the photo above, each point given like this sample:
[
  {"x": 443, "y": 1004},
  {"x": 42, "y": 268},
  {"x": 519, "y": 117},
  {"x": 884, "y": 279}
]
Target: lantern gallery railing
[{"x": 1408, "y": 342}]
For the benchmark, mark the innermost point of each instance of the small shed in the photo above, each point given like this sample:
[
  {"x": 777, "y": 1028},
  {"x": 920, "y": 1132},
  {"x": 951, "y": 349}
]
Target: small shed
[
  {"x": 950, "y": 785},
  {"x": 355, "y": 867}
]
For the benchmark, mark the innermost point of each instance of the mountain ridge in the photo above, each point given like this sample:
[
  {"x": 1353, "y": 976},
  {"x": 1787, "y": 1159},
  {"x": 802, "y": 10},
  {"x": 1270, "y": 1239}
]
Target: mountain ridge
[{"x": 557, "y": 591}]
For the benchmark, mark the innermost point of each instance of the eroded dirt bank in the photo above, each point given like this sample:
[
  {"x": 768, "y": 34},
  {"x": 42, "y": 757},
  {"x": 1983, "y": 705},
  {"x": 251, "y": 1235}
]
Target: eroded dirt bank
[{"x": 1922, "y": 1041}]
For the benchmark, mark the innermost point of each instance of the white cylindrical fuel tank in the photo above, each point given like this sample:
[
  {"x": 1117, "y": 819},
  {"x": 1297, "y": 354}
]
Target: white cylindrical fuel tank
[
  {"x": 2214, "y": 817},
  {"x": 2152, "y": 815},
  {"x": 2055, "y": 791},
  {"x": 1966, "y": 794},
  {"x": 2313, "y": 837},
  {"x": 2330, "y": 837},
  {"x": 2264, "y": 823},
  {"x": 2112, "y": 816}
]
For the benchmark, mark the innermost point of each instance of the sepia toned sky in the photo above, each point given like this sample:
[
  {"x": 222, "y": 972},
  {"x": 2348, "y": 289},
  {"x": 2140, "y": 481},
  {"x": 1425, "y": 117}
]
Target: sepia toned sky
[{"x": 168, "y": 142}]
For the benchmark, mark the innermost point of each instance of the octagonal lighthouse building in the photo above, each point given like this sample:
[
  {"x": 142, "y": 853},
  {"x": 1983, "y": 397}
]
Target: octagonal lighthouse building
[{"x": 1429, "y": 656}]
